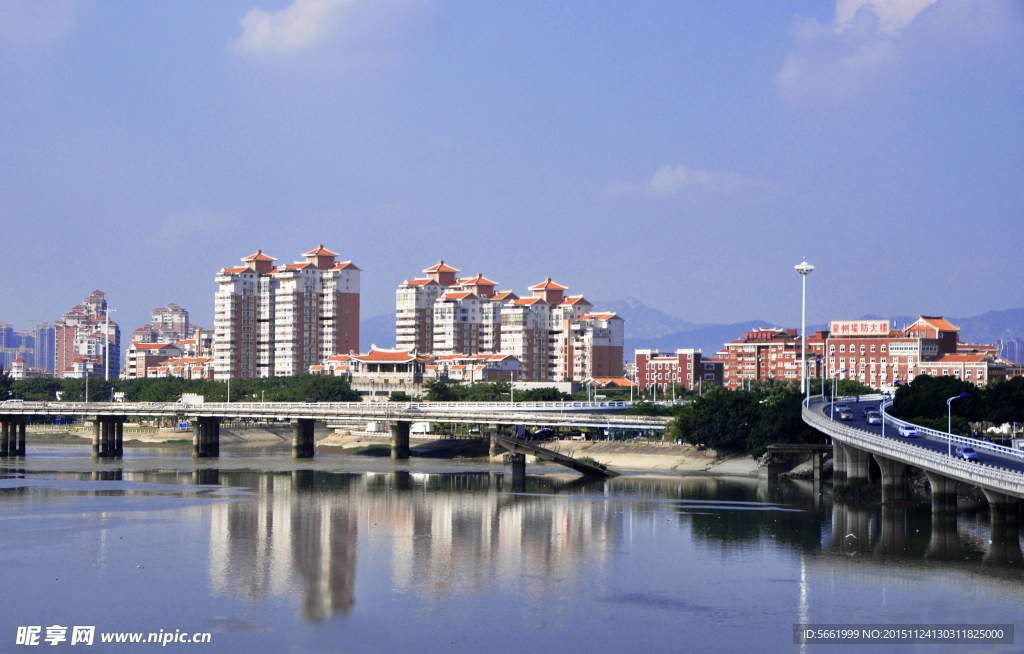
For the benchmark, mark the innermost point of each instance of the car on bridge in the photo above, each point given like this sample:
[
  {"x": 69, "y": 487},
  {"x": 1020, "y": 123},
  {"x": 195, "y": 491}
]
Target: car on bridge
[
  {"x": 908, "y": 431},
  {"x": 874, "y": 417},
  {"x": 967, "y": 453},
  {"x": 841, "y": 407},
  {"x": 869, "y": 409},
  {"x": 845, "y": 414}
]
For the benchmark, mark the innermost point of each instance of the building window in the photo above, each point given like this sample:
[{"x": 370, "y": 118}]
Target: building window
[
  {"x": 872, "y": 348},
  {"x": 842, "y": 348}
]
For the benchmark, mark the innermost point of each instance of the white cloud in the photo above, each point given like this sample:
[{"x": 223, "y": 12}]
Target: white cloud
[
  {"x": 872, "y": 42},
  {"x": 299, "y": 26},
  {"x": 892, "y": 15},
  {"x": 38, "y": 22},
  {"x": 671, "y": 180}
]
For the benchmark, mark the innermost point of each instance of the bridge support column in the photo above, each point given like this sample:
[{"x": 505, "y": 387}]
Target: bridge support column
[
  {"x": 495, "y": 448},
  {"x": 1005, "y": 545},
  {"x": 515, "y": 472},
  {"x": 838, "y": 463},
  {"x": 856, "y": 465},
  {"x": 302, "y": 438},
  {"x": 943, "y": 494},
  {"x": 944, "y": 543},
  {"x": 97, "y": 426},
  {"x": 816, "y": 466},
  {"x": 5, "y": 437},
  {"x": 119, "y": 437},
  {"x": 893, "y": 539},
  {"x": 400, "y": 439},
  {"x": 108, "y": 437},
  {"x": 205, "y": 437},
  {"x": 894, "y": 478}
]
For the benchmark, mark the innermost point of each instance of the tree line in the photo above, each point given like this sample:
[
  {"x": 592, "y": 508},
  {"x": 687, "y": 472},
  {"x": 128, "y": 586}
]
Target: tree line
[{"x": 923, "y": 402}]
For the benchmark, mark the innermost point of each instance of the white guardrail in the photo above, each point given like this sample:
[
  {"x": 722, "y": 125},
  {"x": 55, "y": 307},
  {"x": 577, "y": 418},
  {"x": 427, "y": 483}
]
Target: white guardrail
[
  {"x": 979, "y": 473},
  {"x": 959, "y": 440},
  {"x": 328, "y": 406}
]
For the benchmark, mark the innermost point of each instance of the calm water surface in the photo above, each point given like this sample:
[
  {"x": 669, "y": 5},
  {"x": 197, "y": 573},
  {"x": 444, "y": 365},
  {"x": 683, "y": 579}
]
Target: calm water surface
[{"x": 326, "y": 556}]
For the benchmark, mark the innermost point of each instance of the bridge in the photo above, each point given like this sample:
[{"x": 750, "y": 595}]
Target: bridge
[
  {"x": 108, "y": 420},
  {"x": 999, "y": 471}
]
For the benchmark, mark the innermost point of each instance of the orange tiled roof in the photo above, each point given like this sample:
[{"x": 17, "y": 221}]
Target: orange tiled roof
[
  {"x": 151, "y": 346},
  {"x": 464, "y": 295},
  {"x": 934, "y": 322},
  {"x": 501, "y": 295},
  {"x": 346, "y": 265},
  {"x": 547, "y": 284},
  {"x": 601, "y": 316},
  {"x": 294, "y": 266},
  {"x": 232, "y": 271},
  {"x": 386, "y": 356},
  {"x": 259, "y": 256},
  {"x": 527, "y": 301},
  {"x": 320, "y": 251},
  {"x": 576, "y": 299},
  {"x": 440, "y": 266},
  {"x": 616, "y": 381},
  {"x": 479, "y": 279},
  {"x": 958, "y": 358},
  {"x": 419, "y": 282}
]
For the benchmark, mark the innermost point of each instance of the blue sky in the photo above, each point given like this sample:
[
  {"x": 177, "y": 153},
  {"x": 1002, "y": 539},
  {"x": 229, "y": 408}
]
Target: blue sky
[{"x": 687, "y": 154}]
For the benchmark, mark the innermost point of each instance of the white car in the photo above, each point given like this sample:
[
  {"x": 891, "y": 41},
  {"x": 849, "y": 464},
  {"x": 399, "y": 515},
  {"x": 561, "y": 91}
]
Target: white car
[
  {"x": 908, "y": 432},
  {"x": 874, "y": 418}
]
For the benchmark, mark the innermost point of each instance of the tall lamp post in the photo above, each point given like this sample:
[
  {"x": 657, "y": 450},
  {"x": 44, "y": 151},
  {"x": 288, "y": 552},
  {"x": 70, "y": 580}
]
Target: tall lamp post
[
  {"x": 949, "y": 424},
  {"x": 804, "y": 269},
  {"x": 106, "y": 345}
]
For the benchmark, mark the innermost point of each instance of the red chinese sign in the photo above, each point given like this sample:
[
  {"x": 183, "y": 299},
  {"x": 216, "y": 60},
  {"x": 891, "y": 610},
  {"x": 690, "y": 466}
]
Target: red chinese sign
[{"x": 859, "y": 328}]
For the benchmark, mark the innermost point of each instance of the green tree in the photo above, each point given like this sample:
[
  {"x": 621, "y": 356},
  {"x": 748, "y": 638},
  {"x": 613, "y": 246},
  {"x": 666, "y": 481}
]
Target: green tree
[
  {"x": 440, "y": 390},
  {"x": 399, "y": 396},
  {"x": 721, "y": 419},
  {"x": 781, "y": 421},
  {"x": 1004, "y": 401},
  {"x": 925, "y": 397}
]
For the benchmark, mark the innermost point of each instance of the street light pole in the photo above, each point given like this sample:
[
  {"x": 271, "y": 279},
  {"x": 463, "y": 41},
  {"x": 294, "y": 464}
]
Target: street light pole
[
  {"x": 832, "y": 407},
  {"x": 804, "y": 269},
  {"x": 949, "y": 424}
]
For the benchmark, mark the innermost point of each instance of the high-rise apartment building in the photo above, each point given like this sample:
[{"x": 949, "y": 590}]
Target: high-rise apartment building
[
  {"x": 33, "y": 346},
  {"x": 80, "y": 344},
  {"x": 555, "y": 337},
  {"x": 282, "y": 320}
]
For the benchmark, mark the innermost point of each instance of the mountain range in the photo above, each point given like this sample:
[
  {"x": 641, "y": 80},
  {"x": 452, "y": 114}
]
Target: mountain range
[{"x": 647, "y": 327}]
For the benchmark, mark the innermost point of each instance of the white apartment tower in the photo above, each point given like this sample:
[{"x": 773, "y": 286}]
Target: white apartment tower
[{"x": 281, "y": 320}]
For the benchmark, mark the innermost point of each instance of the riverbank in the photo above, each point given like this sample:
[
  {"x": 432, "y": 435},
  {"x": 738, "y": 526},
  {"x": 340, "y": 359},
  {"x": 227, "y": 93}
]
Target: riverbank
[{"x": 623, "y": 456}]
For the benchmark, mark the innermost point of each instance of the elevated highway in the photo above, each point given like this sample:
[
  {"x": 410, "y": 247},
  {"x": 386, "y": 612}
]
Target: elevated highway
[{"x": 999, "y": 472}]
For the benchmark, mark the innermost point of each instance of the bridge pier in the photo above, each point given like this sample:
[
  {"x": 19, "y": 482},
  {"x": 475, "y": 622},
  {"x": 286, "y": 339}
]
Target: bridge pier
[
  {"x": 103, "y": 436},
  {"x": 5, "y": 437},
  {"x": 119, "y": 436},
  {"x": 944, "y": 543},
  {"x": 1005, "y": 545},
  {"x": 894, "y": 478},
  {"x": 515, "y": 472},
  {"x": 893, "y": 539},
  {"x": 838, "y": 463},
  {"x": 205, "y": 437},
  {"x": 495, "y": 448},
  {"x": 943, "y": 494},
  {"x": 302, "y": 438},
  {"x": 857, "y": 462},
  {"x": 400, "y": 439},
  {"x": 18, "y": 449}
]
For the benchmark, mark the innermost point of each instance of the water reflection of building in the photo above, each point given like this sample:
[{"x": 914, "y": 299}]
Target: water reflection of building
[{"x": 293, "y": 526}]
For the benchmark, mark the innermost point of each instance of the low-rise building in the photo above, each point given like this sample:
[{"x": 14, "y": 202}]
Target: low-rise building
[
  {"x": 685, "y": 367},
  {"x": 142, "y": 357}
]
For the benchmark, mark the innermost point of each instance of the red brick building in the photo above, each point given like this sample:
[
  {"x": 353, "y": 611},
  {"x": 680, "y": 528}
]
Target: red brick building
[
  {"x": 770, "y": 353},
  {"x": 685, "y": 367}
]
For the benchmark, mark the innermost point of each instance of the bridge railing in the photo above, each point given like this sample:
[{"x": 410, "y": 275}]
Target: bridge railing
[
  {"x": 959, "y": 440},
  {"x": 422, "y": 406},
  {"x": 977, "y": 471}
]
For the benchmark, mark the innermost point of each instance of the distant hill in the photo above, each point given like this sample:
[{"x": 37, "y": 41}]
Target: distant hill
[
  {"x": 991, "y": 326},
  {"x": 644, "y": 322},
  {"x": 377, "y": 330},
  {"x": 647, "y": 327}
]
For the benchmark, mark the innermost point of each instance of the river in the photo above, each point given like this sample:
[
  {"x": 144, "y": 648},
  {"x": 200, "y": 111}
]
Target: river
[{"x": 353, "y": 554}]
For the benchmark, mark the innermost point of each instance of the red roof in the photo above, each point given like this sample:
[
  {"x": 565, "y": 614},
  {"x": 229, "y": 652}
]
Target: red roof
[
  {"x": 938, "y": 323},
  {"x": 320, "y": 251},
  {"x": 294, "y": 266},
  {"x": 259, "y": 256},
  {"x": 232, "y": 271},
  {"x": 419, "y": 282},
  {"x": 479, "y": 279},
  {"x": 614, "y": 381},
  {"x": 958, "y": 358},
  {"x": 501, "y": 295},
  {"x": 19, "y": 360},
  {"x": 576, "y": 299},
  {"x": 151, "y": 346},
  {"x": 526, "y": 301},
  {"x": 346, "y": 265},
  {"x": 458, "y": 296},
  {"x": 386, "y": 356},
  {"x": 440, "y": 266},
  {"x": 601, "y": 316},
  {"x": 548, "y": 285}
]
